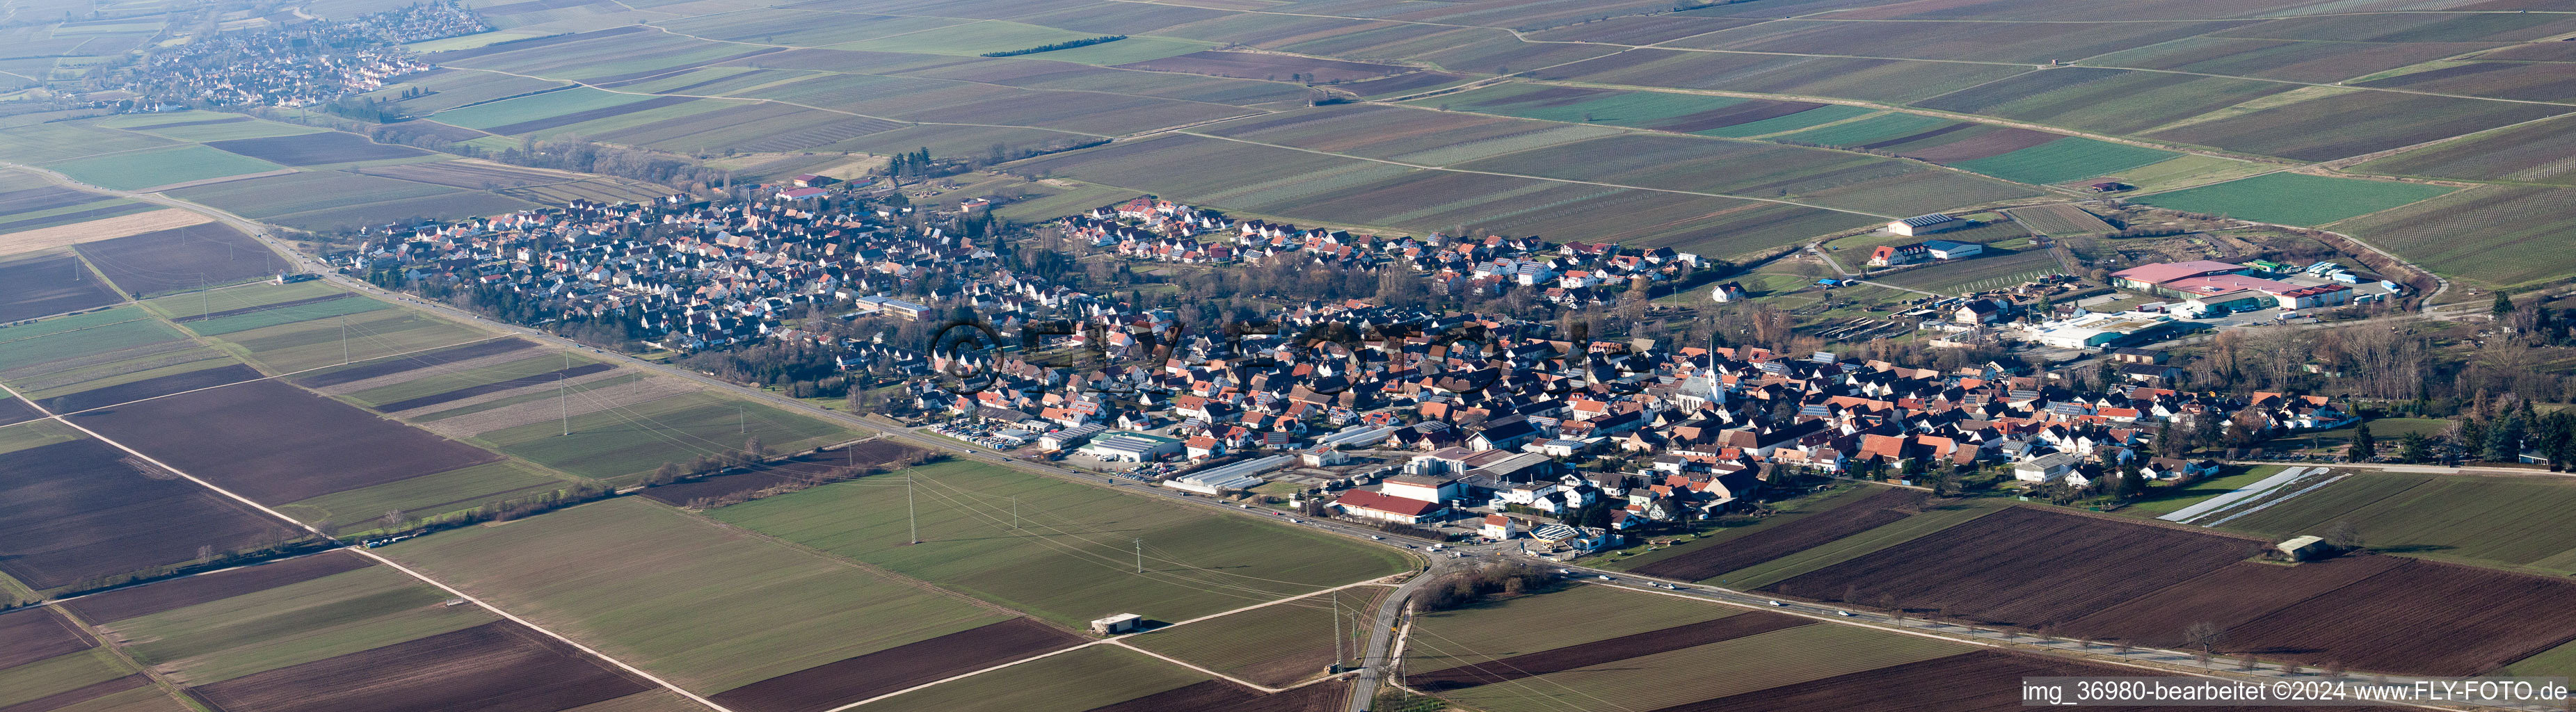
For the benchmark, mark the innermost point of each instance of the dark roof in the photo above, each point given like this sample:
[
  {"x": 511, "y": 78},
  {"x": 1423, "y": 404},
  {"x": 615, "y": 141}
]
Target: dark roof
[{"x": 1922, "y": 220}]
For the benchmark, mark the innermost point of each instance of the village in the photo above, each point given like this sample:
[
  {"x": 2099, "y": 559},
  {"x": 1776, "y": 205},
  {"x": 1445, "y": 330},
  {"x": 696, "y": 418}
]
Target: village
[
  {"x": 1446, "y": 424},
  {"x": 311, "y": 64}
]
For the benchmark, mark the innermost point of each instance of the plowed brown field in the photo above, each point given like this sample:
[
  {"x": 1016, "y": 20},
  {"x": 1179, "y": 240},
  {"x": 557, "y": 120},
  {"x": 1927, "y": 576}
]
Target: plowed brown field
[
  {"x": 1807, "y": 532},
  {"x": 1605, "y": 651},
  {"x": 494, "y": 667},
  {"x": 834, "y": 684}
]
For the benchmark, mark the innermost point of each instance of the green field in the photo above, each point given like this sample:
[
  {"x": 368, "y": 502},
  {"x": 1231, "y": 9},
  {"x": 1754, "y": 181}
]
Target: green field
[
  {"x": 707, "y": 607},
  {"x": 1639, "y": 109},
  {"x": 2188, "y": 170},
  {"x": 1274, "y": 645},
  {"x": 2294, "y": 198},
  {"x": 633, "y": 440},
  {"x": 302, "y": 622},
  {"x": 61, "y": 673},
  {"x": 1074, "y": 557},
  {"x": 529, "y": 108},
  {"x": 1074, "y": 681},
  {"x": 425, "y": 496},
  {"x": 199, "y": 133},
  {"x": 285, "y": 315},
  {"x": 2166, "y": 499},
  {"x": 2512, "y": 522},
  {"x": 145, "y": 169},
  {"x": 255, "y": 294},
  {"x": 2065, "y": 159},
  {"x": 298, "y": 346},
  {"x": 1823, "y": 115},
  {"x": 72, "y": 337}
]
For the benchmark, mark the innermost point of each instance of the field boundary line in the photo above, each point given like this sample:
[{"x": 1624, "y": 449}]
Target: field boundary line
[
  {"x": 379, "y": 558},
  {"x": 961, "y": 676},
  {"x": 1265, "y": 689},
  {"x": 1379, "y": 581},
  {"x": 757, "y": 100}
]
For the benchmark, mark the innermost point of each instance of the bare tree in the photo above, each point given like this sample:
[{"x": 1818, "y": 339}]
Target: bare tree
[
  {"x": 2247, "y": 662},
  {"x": 1888, "y": 602},
  {"x": 2344, "y": 535},
  {"x": 2205, "y": 636},
  {"x": 393, "y": 518},
  {"x": 1851, "y": 594},
  {"x": 205, "y": 551}
]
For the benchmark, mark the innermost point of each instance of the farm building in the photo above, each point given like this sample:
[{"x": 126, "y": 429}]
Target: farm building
[
  {"x": 1363, "y": 504},
  {"x": 1121, "y": 623},
  {"x": 2219, "y": 286},
  {"x": 1892, "y": 255},
  {"x": 2145, "y": 278},
  {"x": 1422, "y": 487},
  {"x": 2306, "y": 547},
  {"x": 1727, "y": 292},
  {"x": 1125, "y": 446},
  {"x": 1926, "y": 225},
  {"x": 1948, "y": 250},
  {"x": 802, "y": 193}
]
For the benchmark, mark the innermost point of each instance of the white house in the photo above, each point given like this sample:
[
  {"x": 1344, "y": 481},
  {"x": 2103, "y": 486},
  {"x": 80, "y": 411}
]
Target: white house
[
  {"x": 1947, "y": 250},
  {"x": 1498, "y": 527},
  {"x": 2044, "y": 468}
]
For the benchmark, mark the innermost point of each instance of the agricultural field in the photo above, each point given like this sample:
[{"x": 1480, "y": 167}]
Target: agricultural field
[
  {"x": 274, "y": 443},
  {"x": 322, "y": 631},
  {"x": 1092, "y": 678},
  {"x": 611, "y": 439},
  {"x": 2291, "y": 60},
  {"x": 2020, "y": 43},
  {"x": 1887, "y": 80},
  {"x": 306, "y": 345},
  {"x": 2106, "y": 100},
  {"x": 1661, "y": 111},
  {"x": 1074, "y": 560},
  {"x": 2294, "y": 198},
  {"x": 1402, "y": 135},
  {"x": 47, "y": 662},
  {"x": 316, "y": 148},
  {"x": 2059, "y": 219},
  {"x": 651, "y": 586},
  {"x": 1852, "y": 182},
  {"x": 1275, "y": 645},
  {"x": 200, "y": 127},
  {"x": 1276, "y": 67},
  {"x": 2144, "y": 582},
  {"x": 2539, "y": 152},
  {"x": 2064, "y": 160},
  {"x": 902, "y": 667},
  {"x": 85, "y": 510},
  {"x": 180, "y": 258},
  {"x": 2461, "y": 234},
  {"x": 1995, "y": 269},
  {"x": 1707, "y": 562},
  {"x": 160, "y": 167},
  {"x": 2351, "y": 124},
  {"x": 1743, "y": 652},
  {"x": 2491, "y": 521},
  {"x": 877, "y": 452},
  {"x": 50, "y": 285},
  {"x": 1333, "y": 190}
]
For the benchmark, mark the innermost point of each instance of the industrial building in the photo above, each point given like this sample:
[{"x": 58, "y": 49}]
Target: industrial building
[
  {"x": 1123, "y": 446},
  {"x": 1236, "y": 477}
]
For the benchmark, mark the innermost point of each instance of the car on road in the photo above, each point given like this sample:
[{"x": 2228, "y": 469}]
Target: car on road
[{"x": 1607, "y": 577}]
